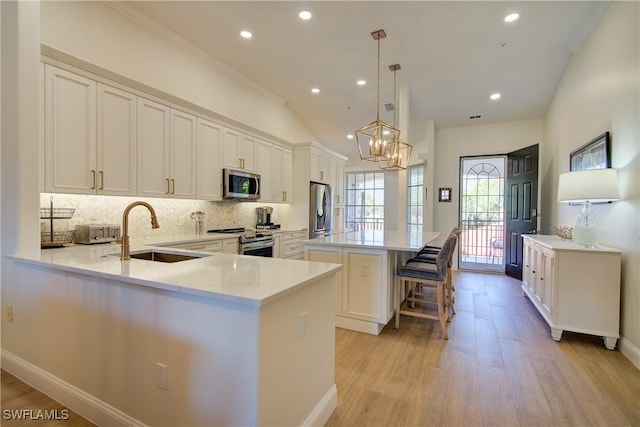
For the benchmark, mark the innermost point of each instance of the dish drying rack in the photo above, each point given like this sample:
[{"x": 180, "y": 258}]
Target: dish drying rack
[{"x": 51, "y": 238}]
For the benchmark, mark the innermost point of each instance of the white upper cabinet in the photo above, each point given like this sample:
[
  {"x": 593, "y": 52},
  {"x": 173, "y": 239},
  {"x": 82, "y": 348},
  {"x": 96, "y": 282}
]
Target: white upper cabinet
[
  {"x": 166, "y": 151},
  {"x": 90, "y": 136},
  {"x": 239, "y": 150},
  {"x": 182, "y": 159},
  {"x": 70, "y": 132},
  {"x": 281, "y": 174},
  {"x": 263, "y": 168},
  {"x": 116, "y": 142},
  {"x": 154, "y": 123},
  {"x": 209, "y": 160}
]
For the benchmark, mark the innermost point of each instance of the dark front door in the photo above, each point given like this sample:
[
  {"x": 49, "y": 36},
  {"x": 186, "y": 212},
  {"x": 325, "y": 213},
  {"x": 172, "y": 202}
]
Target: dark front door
[{"x": 521, "y": 205}]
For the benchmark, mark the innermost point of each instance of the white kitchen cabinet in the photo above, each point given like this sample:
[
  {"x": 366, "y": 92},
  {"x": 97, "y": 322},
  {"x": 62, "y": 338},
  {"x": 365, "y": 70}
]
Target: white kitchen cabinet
[
  {"x": 239, "y": 150},
  {"x": 90, "y": 136},
  {"x": 291, "y": 245},
  {"x": 209, "y": 160},
  {"x": 281, "y": 174},
  {"x": 116, "y": 142},
  {"x": 263, "y": 168},
  {"x": 334, "y": 256},
  {"x": 277, "y": 244},
  {"x": 154, "y": 136},
  {"x": 182, "y": 158},
  {"x": 70, "y": 132},
  {"x": 573, "y": 288},
  {"x": 364, "y": 299},
  {"x": 166, "y": 151},
  {"x": 230, "y": 246},
  {"x": 320, "y": 167}
]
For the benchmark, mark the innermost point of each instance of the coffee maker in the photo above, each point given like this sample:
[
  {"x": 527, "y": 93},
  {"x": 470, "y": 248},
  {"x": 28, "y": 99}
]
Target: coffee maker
[{"x": 263, "y": 218}]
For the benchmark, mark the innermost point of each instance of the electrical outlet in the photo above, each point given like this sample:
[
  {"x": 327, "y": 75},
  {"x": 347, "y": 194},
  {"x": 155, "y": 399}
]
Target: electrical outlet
[
  {"x": 302, "y": 324},
  {"x": 161, "y": 375},
  {"x": 364, "y": 270},
  {"x": 10, "y": 314}
]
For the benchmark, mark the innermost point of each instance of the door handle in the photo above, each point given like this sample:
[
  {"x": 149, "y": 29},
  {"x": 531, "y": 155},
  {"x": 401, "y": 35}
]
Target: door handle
[{"x": 534, "y": 231}]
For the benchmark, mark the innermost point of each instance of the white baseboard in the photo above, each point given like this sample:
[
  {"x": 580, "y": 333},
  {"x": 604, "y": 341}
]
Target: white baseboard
[
  {"x": 321, "y": 413},
  {"x": 359, "y": 325},
  {"x": 630, "y": 351},
  {"x": 80, "y": 402}
]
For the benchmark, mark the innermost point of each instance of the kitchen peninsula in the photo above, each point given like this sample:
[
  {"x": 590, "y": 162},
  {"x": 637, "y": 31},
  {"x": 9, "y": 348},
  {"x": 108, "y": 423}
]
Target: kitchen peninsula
[
  {"x": 220, "y": 339},
  {"x": 365, "y": 287}
]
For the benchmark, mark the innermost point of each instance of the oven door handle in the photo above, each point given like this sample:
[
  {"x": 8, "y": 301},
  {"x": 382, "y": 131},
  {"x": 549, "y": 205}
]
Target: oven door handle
[{"x": 256, "y": 245}]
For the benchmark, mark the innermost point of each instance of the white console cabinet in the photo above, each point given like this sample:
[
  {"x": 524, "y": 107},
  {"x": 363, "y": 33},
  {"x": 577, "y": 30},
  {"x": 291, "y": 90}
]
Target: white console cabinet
[{"x": 574, "y": 289}]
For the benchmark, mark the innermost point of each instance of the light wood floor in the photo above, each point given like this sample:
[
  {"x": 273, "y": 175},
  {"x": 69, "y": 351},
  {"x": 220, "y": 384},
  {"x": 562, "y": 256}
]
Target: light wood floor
[
  {"x": 499, "y": 367},
  {"x": 28, "y": 407}
]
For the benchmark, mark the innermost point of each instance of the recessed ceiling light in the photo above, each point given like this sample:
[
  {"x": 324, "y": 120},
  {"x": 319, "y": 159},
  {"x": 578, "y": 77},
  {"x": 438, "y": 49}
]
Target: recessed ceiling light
[
  {"x": 361, "y": 82},
  {"x": 315, "y": 90},
  {"x": 246, "y": 34},
  {"x": 304, "y": 15},
  {"x": 511, "y": 17},
  {"x": 350, "y": 136},
  {"x": 495, "y": 96}
]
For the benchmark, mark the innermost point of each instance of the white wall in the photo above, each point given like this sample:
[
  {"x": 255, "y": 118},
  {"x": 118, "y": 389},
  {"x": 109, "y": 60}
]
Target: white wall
[
  {"x": 600, "y": 91},
  {"x": 100, "y": 35},
  {"x": 453, "y": 143}
]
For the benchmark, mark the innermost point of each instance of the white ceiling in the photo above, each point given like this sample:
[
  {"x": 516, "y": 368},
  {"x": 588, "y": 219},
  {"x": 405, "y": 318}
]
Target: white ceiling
[{"x": 453, "y": 55}]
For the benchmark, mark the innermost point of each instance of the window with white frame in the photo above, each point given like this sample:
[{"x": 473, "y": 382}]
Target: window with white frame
[
  {"x": 364, "y": 208},
  {"x": 415, "y": 185}
]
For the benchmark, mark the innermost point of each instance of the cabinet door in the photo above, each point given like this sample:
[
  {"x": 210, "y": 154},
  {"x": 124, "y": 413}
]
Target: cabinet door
[
  {"x": 209, "y": 160},
  {"x": 263, "y": 168},
  {"x": 70, "y": 132},
  {"x": 546, "y": 284},
  {"x": 332, "y": 255},
  {"x": 528, "y": 264},
  {"x": 247, "y": 151},
  {"x": 230, "y": 246},
  {"x": 277, "y": 190},
  {"x": 182, "y": 174},
  {"x": 287, "y": 176},
  {"x": 231, "y": 153},
  {"x": 315, "y": 166},
  {"x": 339, "y": 184},
  {"x": 277, "y": 248},
  {"x": 153, "y": 149},
  {"x": 116, "y": 142}
]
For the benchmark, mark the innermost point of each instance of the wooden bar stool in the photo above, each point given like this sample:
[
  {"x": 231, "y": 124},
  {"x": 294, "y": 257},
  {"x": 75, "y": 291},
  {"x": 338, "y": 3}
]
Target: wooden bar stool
[{"x": 416, "y": 274}]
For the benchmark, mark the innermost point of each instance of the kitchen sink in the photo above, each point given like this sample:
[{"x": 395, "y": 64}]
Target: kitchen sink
[{"x": 164, "y": 256}]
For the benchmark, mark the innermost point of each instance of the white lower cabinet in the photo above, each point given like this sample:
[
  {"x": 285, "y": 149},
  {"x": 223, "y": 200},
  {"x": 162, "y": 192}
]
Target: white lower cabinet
[
  {"x": 291, "y": 245},
  {"x": 573, "y": 288},
  {"x": 364, "y": 298}
]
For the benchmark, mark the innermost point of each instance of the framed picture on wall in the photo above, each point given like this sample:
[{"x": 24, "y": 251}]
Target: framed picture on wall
[
  {"x": 596, "y": 154},
  {"x": 444, "y": 194}
]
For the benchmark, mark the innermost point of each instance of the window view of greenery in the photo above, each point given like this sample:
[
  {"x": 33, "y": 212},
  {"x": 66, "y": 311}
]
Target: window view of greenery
[
  {"x": 482, "y": 215},
  {"x": 415, "y": 184},
  {"x": 364, "y": 208}
]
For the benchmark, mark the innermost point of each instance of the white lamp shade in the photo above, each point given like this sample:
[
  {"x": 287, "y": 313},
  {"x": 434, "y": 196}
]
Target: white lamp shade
[{"x": 594, "y": 185}]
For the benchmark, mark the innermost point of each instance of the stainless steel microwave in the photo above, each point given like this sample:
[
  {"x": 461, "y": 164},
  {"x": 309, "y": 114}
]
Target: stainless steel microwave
[{"x": 238, "y": 184}]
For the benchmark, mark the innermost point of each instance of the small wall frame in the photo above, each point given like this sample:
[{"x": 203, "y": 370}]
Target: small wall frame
[
  {"x": 596, "y": 154},
  {"x": 445, "y": 194}
]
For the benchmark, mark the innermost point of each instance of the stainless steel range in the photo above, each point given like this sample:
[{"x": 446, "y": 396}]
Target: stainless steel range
[{"x": 252, "y": 242}]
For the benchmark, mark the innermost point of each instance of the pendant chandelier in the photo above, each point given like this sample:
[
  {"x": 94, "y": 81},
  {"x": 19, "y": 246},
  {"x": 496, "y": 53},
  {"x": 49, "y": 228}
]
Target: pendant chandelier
[
  {"x": 373, "y": 138},
  {"x": 397, "y": 152}
]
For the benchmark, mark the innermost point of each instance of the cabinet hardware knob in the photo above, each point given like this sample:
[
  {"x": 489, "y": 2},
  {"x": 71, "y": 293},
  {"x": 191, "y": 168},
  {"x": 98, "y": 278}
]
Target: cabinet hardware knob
[
  {"x": 173, "y": 186},
  {"x": 168, "y": 189},
  {"x": 93, "y": 179},
  {"x": 101, "y": 180}
]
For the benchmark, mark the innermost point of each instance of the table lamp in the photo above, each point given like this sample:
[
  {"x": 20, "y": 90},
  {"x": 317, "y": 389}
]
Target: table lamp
[{"x": 586, "y": 187}]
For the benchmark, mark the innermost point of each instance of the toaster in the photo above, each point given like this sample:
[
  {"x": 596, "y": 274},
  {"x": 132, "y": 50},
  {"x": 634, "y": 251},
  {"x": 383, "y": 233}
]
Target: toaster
[{"x": 88, "y": 234}]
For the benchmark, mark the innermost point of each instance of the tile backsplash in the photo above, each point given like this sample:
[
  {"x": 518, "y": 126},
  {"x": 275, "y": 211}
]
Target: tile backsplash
[{"x": 174, "y": 215}]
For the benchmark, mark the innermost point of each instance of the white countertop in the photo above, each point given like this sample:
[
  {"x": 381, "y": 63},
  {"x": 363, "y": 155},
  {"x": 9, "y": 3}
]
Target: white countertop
[
  {"x": 556, "y": 243},
  {"x": 377, "y": 239},
  {"x": 228, "y": 277}
]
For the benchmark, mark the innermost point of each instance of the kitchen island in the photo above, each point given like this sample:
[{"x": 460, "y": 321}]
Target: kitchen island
[
  {"x": 220, "y": 339},
  {"x": 366, "y": 286}
]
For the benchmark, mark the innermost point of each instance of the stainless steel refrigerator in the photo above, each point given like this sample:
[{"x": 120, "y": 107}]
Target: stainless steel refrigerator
[{"x": 320, "y": 210}]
